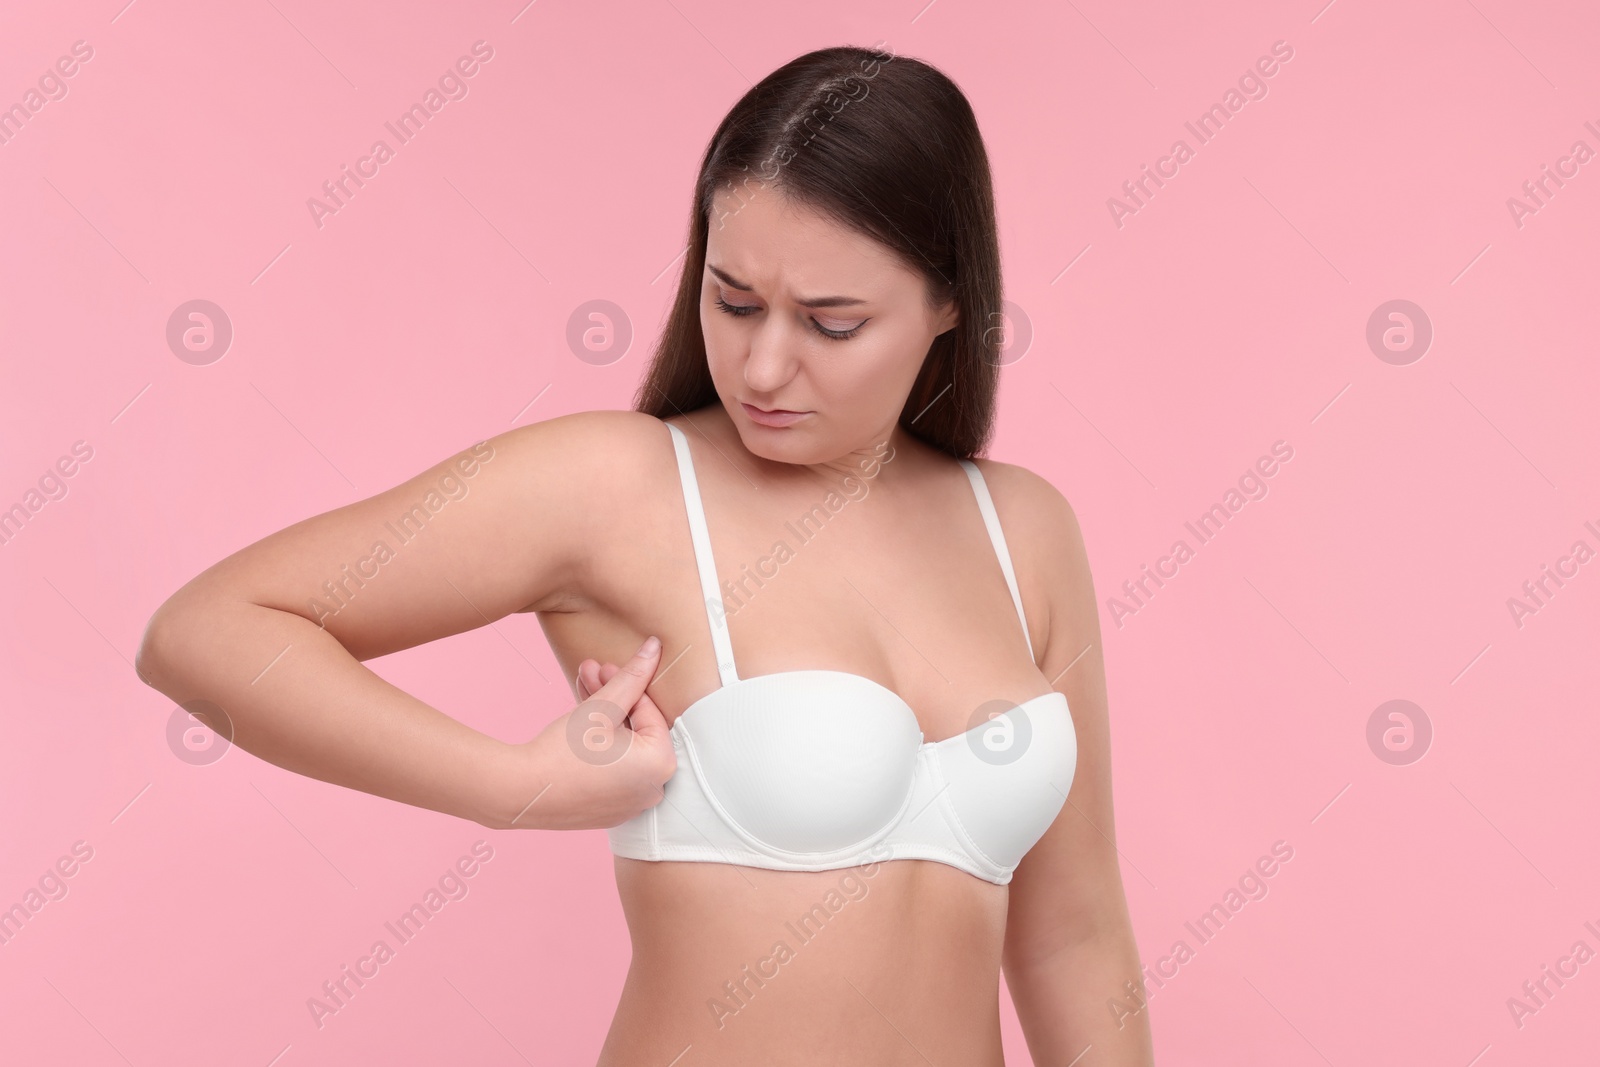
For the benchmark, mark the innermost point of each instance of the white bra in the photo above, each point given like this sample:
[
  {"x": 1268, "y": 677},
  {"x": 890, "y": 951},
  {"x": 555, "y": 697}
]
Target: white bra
[{"x": 813, "y": 770}]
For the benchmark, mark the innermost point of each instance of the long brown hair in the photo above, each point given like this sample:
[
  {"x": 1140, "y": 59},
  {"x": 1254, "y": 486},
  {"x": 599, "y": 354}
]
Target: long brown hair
[{"x": 889, "y": 147}]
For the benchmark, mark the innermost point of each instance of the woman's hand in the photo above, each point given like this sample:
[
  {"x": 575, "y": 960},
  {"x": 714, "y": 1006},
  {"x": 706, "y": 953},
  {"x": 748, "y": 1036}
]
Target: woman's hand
[{"x": 604, "y": 761}]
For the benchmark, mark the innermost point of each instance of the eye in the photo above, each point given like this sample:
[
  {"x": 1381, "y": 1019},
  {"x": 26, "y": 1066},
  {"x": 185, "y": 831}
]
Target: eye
[
  {"x": 838, "y": 335},
  {"x": 742, "y": 310},
  {"x": 737, "y": 309}
]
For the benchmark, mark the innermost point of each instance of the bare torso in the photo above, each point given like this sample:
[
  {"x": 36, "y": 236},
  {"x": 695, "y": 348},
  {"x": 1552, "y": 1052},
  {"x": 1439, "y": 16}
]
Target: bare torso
[{"x": 895, "y": 963}]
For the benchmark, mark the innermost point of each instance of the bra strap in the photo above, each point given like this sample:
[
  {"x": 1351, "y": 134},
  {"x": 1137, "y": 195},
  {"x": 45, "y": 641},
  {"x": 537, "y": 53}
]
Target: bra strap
[
  {"x": 701, "y": 535},
  {"x": 991, "y": 519}
]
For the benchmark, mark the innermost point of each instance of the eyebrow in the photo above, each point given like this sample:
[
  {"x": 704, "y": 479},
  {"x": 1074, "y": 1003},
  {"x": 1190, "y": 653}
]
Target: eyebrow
[{"x": 817, "y": 302}]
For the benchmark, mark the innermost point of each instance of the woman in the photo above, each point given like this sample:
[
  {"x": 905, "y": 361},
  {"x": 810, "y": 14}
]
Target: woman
[{"x": 868, "y": 766}]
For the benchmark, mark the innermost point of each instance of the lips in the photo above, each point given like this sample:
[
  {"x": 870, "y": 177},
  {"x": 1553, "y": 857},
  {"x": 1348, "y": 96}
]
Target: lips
[{"x": 774, "y": 417}]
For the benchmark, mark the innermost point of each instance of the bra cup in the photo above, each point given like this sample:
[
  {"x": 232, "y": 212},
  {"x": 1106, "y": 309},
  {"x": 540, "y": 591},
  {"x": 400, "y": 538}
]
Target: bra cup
[
  {"x": 1006, "y": 803},
  {"x": 810, "y": 775}
]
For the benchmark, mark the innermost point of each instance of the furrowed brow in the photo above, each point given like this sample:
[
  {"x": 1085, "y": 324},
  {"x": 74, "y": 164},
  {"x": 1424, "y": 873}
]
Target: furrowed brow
[{"x": 814, "y": 302}]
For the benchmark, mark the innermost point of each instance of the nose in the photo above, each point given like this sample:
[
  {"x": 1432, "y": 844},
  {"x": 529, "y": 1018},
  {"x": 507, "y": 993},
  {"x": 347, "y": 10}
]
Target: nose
[{"x": 771, "y": 362}]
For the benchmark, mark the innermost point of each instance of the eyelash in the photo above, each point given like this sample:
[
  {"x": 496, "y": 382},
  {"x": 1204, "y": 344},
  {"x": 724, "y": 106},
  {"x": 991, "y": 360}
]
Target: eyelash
[{"x": 741, "y": 310}]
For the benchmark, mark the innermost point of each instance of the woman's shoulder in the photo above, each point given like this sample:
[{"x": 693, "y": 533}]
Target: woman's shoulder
[
  {"x": 1027, "y": 500},
  {"x": 584, "y": 463},
  {"x": 613, "y": 444},
  {"x": 583, "y": 427},
  {"x": 1046, "y": 545}
]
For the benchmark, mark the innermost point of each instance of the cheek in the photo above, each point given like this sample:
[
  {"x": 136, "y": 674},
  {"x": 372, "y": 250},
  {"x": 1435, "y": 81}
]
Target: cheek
[
  {"x": 889, "y": 363},
  {"x": 863, "y": 378}
]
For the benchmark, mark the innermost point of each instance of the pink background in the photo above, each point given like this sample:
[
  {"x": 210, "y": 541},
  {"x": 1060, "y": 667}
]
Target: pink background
[{"x": 1167, "y": 355}]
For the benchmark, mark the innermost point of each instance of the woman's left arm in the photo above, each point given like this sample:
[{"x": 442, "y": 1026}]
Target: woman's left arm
[{"x": 1070, "y": 959}]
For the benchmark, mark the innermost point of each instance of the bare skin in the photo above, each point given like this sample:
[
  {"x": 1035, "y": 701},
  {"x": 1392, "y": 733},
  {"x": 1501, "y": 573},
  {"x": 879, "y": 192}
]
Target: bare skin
[{"x": 581, "y": 519}]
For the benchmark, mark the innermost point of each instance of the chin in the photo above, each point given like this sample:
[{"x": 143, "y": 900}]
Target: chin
[
  {"x": 781, "y": 446},
  {"x": 769, "y": 446}
]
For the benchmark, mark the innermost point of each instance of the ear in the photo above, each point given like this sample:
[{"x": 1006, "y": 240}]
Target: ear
[{"x": 949, "y": 318}]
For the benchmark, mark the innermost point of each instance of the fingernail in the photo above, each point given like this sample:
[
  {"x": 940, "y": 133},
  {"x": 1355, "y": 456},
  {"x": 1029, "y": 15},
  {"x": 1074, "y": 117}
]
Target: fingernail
[{"x": 651, "y": 646}]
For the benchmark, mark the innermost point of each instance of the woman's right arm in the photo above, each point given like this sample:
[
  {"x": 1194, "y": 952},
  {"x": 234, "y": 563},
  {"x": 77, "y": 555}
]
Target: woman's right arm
[{"x": 274, "y": 634}]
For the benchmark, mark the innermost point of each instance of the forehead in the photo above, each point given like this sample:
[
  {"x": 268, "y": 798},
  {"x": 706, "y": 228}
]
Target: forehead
[{"x": 767, "y": 239}]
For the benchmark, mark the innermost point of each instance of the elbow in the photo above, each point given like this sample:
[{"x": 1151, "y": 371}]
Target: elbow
[
  {"x": 144, "y": 665},
  {"x": 149, "y": 661},
  {"x": 145, "y": 658}
]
